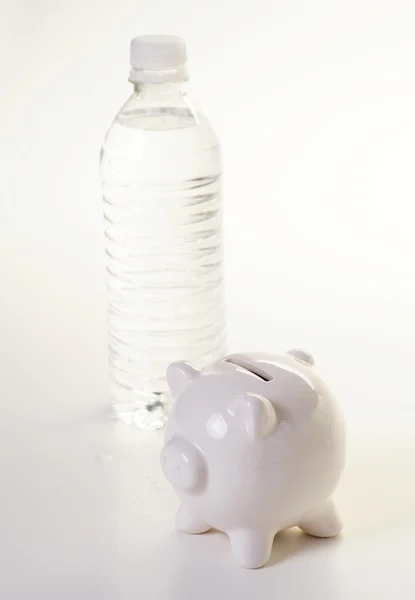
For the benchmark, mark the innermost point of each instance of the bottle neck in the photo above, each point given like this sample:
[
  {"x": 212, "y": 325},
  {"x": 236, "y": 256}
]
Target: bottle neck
[
  {"x": 178, "y": 74},
  {"x": 160, "y": 92}
]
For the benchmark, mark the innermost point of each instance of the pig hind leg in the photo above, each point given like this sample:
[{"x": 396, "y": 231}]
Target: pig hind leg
[{"x": 324, "y": 521}]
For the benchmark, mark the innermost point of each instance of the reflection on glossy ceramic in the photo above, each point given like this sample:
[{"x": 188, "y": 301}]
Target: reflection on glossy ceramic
[{"x": 254, "y": 444}]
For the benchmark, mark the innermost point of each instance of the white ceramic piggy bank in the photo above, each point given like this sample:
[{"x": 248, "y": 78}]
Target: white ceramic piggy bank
[{"x": 254, "y": 444}]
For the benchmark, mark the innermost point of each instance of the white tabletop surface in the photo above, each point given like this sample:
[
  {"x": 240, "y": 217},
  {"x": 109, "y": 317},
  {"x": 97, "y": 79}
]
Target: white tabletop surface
[{"x": 88, "y": 514}]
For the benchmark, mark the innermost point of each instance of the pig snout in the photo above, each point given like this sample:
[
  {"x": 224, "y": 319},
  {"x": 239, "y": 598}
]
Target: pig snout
[{"x": 184, "y": 465}]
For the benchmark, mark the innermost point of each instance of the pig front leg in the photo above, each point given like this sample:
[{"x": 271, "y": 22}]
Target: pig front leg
[
  {"x": 324, "y": 521},
  {"x": 251, "y": 548},
  {"x": 187, "y": 523}
]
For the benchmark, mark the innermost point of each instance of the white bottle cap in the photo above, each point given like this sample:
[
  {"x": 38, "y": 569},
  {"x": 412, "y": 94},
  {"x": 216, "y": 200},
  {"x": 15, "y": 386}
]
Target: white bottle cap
[{"x": 158, "y": 58}]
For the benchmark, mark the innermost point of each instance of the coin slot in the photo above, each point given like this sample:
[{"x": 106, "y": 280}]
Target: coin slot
[{"x": 246, "y": 365}]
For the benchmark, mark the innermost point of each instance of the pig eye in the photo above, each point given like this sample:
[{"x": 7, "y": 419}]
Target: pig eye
[{"x": 183, "y": 465}]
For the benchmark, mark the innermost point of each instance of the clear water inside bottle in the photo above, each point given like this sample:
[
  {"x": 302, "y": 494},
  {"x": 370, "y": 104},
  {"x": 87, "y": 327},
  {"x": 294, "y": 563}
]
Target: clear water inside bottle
[{"x": 161, "y": 178}]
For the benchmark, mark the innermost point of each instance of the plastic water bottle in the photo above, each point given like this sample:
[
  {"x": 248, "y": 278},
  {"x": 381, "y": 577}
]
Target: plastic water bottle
[{"x": 161, "y": 182}]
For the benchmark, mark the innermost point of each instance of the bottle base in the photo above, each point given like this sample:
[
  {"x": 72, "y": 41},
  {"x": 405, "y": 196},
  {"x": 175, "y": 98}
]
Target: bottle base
[{"x": 143, "y": 411}]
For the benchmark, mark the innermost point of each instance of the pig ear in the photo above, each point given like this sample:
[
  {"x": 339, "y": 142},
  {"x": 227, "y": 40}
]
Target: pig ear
[
  {"x": 302, "y": 355},
  {"x": 256, "y": 414},
  {"x": 179, "y": 375}
]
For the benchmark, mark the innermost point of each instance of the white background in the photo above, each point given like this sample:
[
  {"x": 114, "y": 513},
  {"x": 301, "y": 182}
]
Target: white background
[{"x": 314, "y": 104}]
